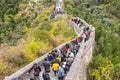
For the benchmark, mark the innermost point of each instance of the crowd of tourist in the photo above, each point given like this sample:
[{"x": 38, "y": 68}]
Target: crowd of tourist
[
  {"x": 58, "y": 9},
  {"x": 77, "y": 21},
  {"x": 60, "y": 60},
  {"x": 86, "y": 30}
]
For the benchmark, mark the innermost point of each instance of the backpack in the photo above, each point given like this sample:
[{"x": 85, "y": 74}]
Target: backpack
[
  {"x": 47, "y": 70},
  {"x": 46, "y": 76},
  {"x": 37, "y": 70},
  {"x": 32, "y": 78}
]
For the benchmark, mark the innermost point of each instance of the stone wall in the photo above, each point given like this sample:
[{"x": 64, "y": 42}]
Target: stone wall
[{"x": 78, "y": 70}]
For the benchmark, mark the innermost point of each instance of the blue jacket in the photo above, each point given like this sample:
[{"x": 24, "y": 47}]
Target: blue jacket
[{"x": 60, "y": 72}]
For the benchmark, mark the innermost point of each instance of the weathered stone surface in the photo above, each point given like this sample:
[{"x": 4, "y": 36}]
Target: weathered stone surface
[{"x": 78, "y": 70}]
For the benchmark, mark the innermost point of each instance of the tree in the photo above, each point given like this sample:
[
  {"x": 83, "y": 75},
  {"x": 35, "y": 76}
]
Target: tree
[{"x": 101, "y": 68}]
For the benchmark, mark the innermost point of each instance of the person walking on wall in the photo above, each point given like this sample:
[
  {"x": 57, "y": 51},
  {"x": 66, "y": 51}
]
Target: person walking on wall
[
  {"x": 55, "y": 67},
  {"x": 37, "y": 71}
]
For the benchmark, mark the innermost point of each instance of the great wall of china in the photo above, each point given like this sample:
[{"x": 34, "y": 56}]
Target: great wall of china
[{"x": 78, "y": 69}]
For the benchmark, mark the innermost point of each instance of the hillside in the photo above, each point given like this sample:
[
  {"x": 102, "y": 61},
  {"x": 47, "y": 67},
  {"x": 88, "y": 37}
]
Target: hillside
[
  {"x": 32, "y": 36},
  {"x": 26, "y": 33}
]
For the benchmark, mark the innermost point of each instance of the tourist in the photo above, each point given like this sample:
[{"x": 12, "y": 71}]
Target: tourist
[
  {"x": 50, "y": 57},
  {"x": 81, "y": 24},
  {"x": 74, "y": 20},
  {"x": 13, "y": 79},
  {"x": 87, "y": 35},
  {"x": 46, "y": 76},
  {"x": 65, "y": 67},
  {"x": 78, "y": 22},
  {"x": 69, "y": 61},
  {"x": 37, "y": 71},
  {"x": 55, "y": 67},
  {"x": 59, "y": 58},
  {"x": 60, "y": 73},
  {"x": 46, "y": 65}
]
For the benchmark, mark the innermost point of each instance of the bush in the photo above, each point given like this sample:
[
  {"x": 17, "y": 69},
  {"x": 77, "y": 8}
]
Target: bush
[
  {"x": 33, "y": 46},
  {"x": 108, "y": 22},
  {"x": 101, "y": 68}
]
